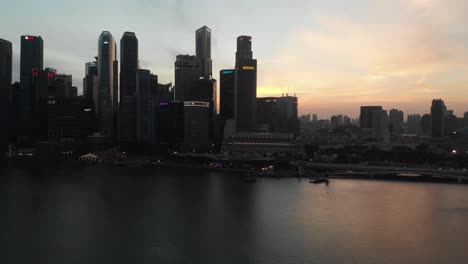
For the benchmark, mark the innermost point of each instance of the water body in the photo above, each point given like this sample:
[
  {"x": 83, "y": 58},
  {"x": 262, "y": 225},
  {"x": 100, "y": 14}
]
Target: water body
[{"x": 134, "y": 215}]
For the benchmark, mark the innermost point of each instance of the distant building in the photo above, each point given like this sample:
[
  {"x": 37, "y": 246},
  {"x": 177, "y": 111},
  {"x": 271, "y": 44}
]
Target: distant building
[
  {"x": 366, "y": 117},
  {"x": 226, "y": 98},
  {"x": 438, "y": 113},
  {"x": 414, "y": 124},
  {"x": 31, "y": 62},
  {"x": 128, "y": 87},
  {"x": 450, "y": 124},
  {"x": 380, "y": 123},
  {"x": 314, "y": 118},
  {"x": 245, "y": 86},
  {"x": 262, "y": 144},
  {"x": 146, "y": 106},
  {"x": 66, "y": 90},
  {"x": 197, "y": 128},
  {"x": 346, "y": 121},
  {"x": 6, "y": 55},
  {"x": 90, "y": 83},
  {"x": 334, "y": 122},
  {"x": 203, "y": 51},
  {"x": 170, "y": 124},
  {"x": 465, "y": 119},
  {"x": 187, "y": 71},
  {"x": 396, "y": 120},
  {"x": 107, "y": 85},
  {"x": 426, "y": 125},
  {"x": 305, "y": 119}
]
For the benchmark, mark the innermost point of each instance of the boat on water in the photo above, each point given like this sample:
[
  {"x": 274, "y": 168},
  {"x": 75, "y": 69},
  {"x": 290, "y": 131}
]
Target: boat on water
[{"x": 320, "y": 180}]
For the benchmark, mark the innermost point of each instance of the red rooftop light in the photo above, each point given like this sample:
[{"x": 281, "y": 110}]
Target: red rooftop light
[{"x": 29, "y": 38}]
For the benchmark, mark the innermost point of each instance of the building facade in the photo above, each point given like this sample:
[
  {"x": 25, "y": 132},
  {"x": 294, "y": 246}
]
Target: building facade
[
  {"x": 6, "y": 55},
  {"x": 146, "y": 106},
  {"x": 187, "y": 71},
  {"x": 245, "y": 86},
  {"x": 438, "y": 113},
  {"x": 107, "y": 85},
  {"x": 128, "y": 87},
  {"x": 203, "y": 50}
]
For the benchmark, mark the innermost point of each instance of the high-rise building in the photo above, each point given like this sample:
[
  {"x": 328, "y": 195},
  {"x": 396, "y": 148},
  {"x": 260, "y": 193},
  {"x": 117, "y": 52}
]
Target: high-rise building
[
  {"x": 146, "y": 106},
  {"x": 245, "y": 86},
  {"x": 438, "y": 113},
  {"x": 128, "y": 87},
  {"x": 165, "y": 93},
  {"x": 465, "y": 119},
  {"x": 334, "y": 122},
  {"x": 289, "y": 122},
  {"x": 203, "y": 50},
  {"x": 90, "y": 84},
  {"x": 414, "y": 124},
  {"x": 380, "y": 123},
  {"x": 426, "y": 125},
  {"x": 314, "y": 118},
  {"x": 396, "y": 119},
  {"x": 450, "y": 123},
  {"x": 107, "y": 85},
  {"x": 366, "y": 116},
  {"x": 346, "y": 121},
  {"x": 226, "y": 90},
  {"x": 170, "y": 123},
  {"x": 31, "y": 62},
  {"x": 5, "y": 92},
  {"x": 67, "y": 89},
  {"x": 268, "y": 114},
  {"x": 187, "y": 71},
  {"x": 197, "y": 129}
]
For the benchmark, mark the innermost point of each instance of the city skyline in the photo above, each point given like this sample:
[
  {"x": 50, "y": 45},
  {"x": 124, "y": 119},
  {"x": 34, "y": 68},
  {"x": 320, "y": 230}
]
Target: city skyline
[{"x": 334, "y": 59}]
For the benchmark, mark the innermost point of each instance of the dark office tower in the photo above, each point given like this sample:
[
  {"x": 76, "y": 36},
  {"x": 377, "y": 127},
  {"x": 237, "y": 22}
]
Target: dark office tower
[
  {"x": 465, "y": 119},
  {"x": 450, "y": 123},
  {"x": 187, "y": 71},
  {"x": 67, "y": 90},
  {"x": 31, "y": 62},
  {"x": 146, "y": 106},
  {"x": 197, "y": 128},
  {"x": 396, "y": 119},
  {"x": 90, "y": 83},
  {"x": 426, "y": 125},
  {"x": 165, "y": 93},
  {"x": 226, "y": 90},
  {"x": 414, "y": 124},
  {"x": 203, "y": 51},
  {"x": 5, "y": 92},
  {"x": 268, "y": 116},
  {"x": 289, "y": 122},
  {"x": 438, "y": 113},
  {"x": 107, "y": 84},
  {"x": 366, "y": 116},
  {"x": 128, "y": 87},
  {"x": 245, "y": 86}
]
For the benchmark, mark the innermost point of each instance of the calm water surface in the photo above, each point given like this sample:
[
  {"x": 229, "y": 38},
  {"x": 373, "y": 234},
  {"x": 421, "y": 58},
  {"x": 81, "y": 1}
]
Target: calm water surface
[{"x": 134, "y": 215}]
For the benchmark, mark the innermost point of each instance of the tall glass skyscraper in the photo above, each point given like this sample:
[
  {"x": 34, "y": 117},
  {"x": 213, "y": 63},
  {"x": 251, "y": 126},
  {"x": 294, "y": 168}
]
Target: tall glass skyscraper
[
  {"x": 5, "y": 91},
  {"x": 107, "y": 84},
  {"x": 203, "y": 50},
  {"x": 438, "y": 113},
  {"x": 128, "y": 87},
  {"x": 187, "y": 72},
  {"x": 31, "y": 63},
  {"x": 245, "y": 86}
]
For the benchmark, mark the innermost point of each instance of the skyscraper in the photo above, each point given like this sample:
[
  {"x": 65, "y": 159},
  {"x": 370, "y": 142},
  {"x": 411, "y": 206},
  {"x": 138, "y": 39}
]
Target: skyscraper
[
  {"x": 438, "y": 113},
  {"x": 396, "y": 119},
  {"x": 245, "y": 86},
  {"x": 31, "y": 62},
  {"x": 414, "y": 123},
  {"x": 128, "y": 87},
  {"x": 226, "y": 90},
  {"x": 366, "y": 117},
  {"x": 146, "y": 106},
  {"x": 187, "y": 72},
  {"x": 107, "y": 84},
  {"x": 203, "y": 50},
  {"x": 90, "y": 82},
  {"x": 5, "y": 92}
]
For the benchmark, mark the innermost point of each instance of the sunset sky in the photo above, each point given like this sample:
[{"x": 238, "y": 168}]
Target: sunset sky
[{"x": 334, "y": 55}]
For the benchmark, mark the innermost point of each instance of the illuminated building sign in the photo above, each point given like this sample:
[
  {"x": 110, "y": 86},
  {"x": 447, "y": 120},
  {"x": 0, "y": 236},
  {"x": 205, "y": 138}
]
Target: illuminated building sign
[
  {"x": 163, "y": 104},
  {"x": 248, "y": 68},
  {"x": 227, "y": 72},
  {"x": 29, "y": 38},
  {"x": 35, "y": 72},
  {"x": 196, "y": 104}
]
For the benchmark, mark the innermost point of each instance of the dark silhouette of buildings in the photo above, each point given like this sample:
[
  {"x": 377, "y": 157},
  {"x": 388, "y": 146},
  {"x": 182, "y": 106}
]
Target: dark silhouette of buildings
[
  {"x": 31, "y": 62},
  {"x": 226, "y": 94},
  {"x": 245, "y": 86},
  {"x": 128, "y": 87},
  {"x": 187, "y": 71},
  {"x": 146, "y": 106},
  {"x": 396, "y": 120},
  {"x": 6, "y": 55},
  {"x": 107, "y": 85},
  {"x": 90, "y": 82},
  {"x": 366, "y": 116},
  {"x": 203, "y": 50},
  {"x": 426, "y": 125},
  {"x": 438, "y": 113}
]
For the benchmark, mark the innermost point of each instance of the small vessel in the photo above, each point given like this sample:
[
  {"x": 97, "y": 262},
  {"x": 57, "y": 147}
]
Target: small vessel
[{"x": 320, "y": 180}]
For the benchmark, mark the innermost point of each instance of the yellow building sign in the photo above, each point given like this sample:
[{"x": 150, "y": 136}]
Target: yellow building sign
[{"x": 248, "y": 68}]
